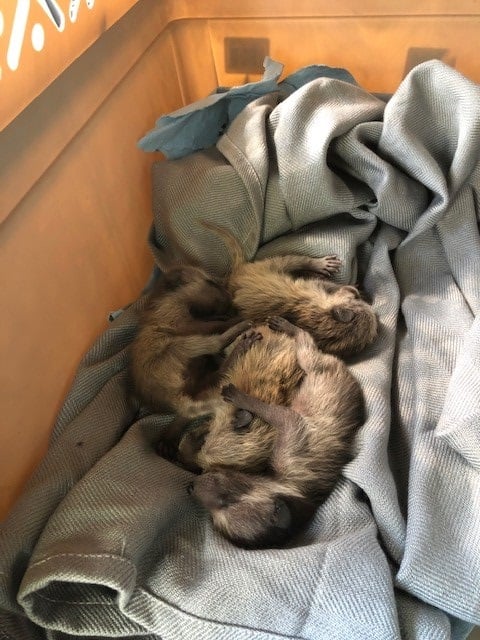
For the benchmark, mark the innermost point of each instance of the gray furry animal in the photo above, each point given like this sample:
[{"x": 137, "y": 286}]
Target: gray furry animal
[
  {"x": 177, "y": 352},
  {"x": 262, "y": 362},
  {"x": 314, "y": 439},
  {"x": 297, "y": 288}
]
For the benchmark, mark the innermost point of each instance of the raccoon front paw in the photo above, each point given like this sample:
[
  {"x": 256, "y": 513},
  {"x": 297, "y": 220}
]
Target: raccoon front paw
[
  {"x": 249, "y": 338},
  {"x": 281, "y": 325},
  {"x": 328, "y": 265},
  {"x": 229, "y": 393}
]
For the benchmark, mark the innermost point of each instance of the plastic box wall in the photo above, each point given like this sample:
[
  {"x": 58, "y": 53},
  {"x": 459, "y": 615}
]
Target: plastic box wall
[{"x": 75, "y": 190}]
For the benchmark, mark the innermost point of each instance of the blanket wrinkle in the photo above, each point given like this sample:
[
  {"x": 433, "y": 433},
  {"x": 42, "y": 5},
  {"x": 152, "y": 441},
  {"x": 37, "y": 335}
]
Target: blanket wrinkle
[{"x": 394, "y": 553}]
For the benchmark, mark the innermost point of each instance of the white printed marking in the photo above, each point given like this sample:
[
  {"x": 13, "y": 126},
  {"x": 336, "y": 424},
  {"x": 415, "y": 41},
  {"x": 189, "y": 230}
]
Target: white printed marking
[
  {"x": 90, "y": 3},
  {"x": 54, "y": 12},
  {"x": 74, "y": 7},
  {"x": 18, "y": 34},
  {"x": 38, "y": 37},
  {"x": 2, "y": 23}
]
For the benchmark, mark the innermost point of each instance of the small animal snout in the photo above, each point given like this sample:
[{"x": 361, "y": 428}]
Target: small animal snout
[{"x": 343, "y": 314}]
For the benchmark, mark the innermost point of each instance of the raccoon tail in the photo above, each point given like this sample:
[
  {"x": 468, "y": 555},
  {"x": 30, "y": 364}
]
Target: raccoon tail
[{"x": 236, "y": 252}]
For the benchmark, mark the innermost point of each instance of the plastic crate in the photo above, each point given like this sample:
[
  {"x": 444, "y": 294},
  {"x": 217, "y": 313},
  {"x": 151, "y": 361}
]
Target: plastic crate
[{"x": 75, "y": 190}]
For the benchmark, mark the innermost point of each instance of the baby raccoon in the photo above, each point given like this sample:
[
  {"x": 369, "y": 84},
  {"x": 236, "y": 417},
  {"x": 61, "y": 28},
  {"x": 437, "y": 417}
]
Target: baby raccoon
[
  {"x": 176, "y": 354},
  {"x": 252, "y": 511},
  {"x": 341, "y": 322},
  {"x": 313, "y": 441},
  {"x": 262, "y": 363}
]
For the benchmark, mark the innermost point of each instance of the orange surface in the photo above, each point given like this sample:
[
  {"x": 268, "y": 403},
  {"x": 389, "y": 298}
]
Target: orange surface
[{"x": 36, "y": 43}]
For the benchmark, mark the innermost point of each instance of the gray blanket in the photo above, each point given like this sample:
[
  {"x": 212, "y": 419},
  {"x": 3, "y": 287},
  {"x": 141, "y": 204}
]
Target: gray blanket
[{"x": 105, "y": 541}]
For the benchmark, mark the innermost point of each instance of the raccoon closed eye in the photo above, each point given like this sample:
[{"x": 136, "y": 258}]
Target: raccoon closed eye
[
  {"x": 242, "y": 420},
  {"x": 214, "y": 284}
]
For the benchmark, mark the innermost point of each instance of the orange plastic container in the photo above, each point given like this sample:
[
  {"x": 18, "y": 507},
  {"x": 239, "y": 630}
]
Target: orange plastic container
[{"x": 78, "y": 91}]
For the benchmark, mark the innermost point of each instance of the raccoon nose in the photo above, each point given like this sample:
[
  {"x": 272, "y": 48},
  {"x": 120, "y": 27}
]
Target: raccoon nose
[
  {"x": 343, "y": 314},
  {"x": 190, "y": 489}
]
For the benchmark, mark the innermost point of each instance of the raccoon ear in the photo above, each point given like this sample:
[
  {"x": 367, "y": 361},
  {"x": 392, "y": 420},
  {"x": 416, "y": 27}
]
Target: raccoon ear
[
  {"x": 351, "y": 289},
  {"x": 343, "y": 314},
  {"x": 241, "y": 420}
]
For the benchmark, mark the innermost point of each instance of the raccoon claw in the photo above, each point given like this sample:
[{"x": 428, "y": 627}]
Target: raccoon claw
[
  {"x": 329, "y": 266},
  {"x": 253, "y": 334},
  {"x": 281, "y": 325},
  {"x": 244, "y": 326},
  {"x": 250, "y": 337},
  {"x": 246, "y": 341}
]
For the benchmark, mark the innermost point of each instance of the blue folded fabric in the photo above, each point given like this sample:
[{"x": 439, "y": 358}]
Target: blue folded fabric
[{"x": 200, "y": 124}]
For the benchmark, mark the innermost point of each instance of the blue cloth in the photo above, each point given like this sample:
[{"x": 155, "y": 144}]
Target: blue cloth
[{"x": 200, "y": 124}]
